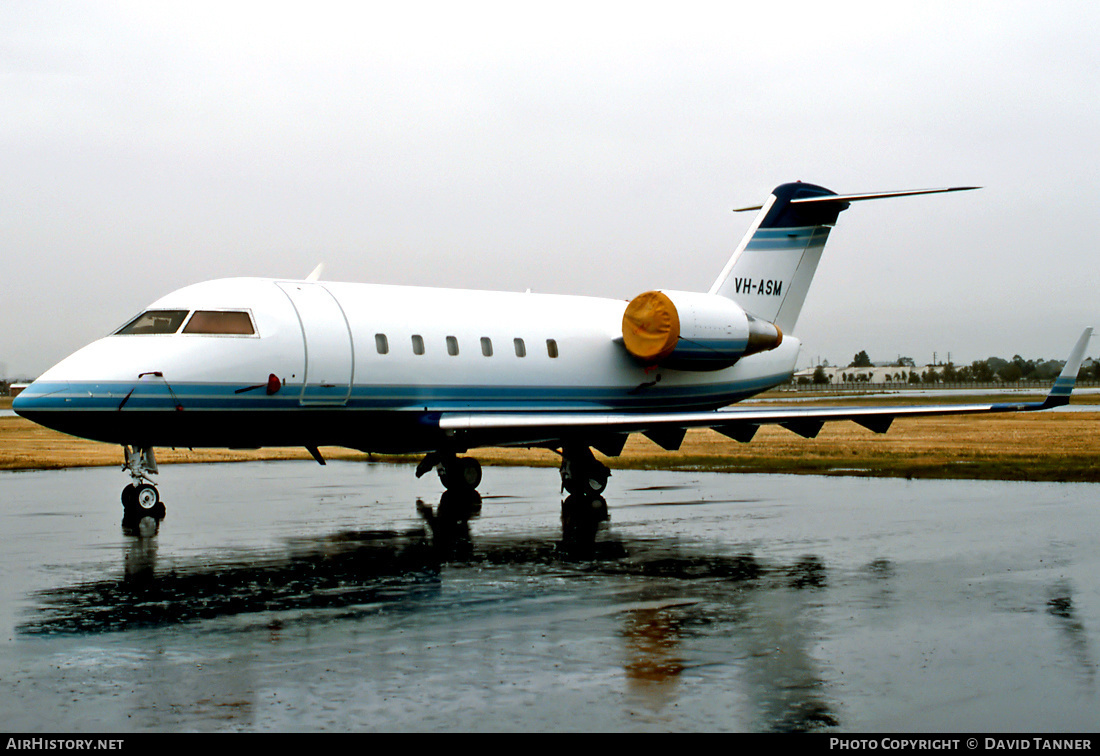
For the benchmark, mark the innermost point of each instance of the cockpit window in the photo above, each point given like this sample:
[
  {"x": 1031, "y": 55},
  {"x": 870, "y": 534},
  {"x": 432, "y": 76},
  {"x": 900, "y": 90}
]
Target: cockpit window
[
  {"x": 154, "y": 321},
  {"x": 229, "y": 322}
]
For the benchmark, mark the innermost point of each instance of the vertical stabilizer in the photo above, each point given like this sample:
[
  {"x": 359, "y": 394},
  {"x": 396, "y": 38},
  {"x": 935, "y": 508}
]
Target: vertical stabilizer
[{"x": 770, "y": 272}]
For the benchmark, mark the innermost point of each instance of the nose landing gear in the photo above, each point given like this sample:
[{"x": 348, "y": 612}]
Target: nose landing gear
[{"x": 141, "y": 496}]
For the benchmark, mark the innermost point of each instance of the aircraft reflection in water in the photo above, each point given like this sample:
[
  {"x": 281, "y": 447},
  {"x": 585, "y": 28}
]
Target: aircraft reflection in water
[{"x": 660, "y": 594}]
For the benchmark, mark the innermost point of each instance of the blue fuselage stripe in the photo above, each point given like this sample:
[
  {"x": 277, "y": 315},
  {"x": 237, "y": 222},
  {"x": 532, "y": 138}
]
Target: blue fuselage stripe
[{"x": 77, "y": 396}]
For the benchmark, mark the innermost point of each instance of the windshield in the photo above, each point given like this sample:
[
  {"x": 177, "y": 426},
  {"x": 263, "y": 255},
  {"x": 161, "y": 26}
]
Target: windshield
[
  {"x": 154, "y": 321},
  {"x": 220, "y": 322}
]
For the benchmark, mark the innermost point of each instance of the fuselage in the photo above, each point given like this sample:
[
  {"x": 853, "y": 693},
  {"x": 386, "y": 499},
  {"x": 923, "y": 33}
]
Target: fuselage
[{"x": 370, "y": 367}]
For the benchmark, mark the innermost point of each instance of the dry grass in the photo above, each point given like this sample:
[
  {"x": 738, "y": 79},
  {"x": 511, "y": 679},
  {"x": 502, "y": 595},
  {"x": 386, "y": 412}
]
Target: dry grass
[
  {"x": 1050, "y": 446},
  {"x": 1036, "y": 446},
  {"x": 27, "y": 446}
]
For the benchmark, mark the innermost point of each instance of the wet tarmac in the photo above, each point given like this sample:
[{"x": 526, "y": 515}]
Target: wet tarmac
[{"x": 284, "y": 596}]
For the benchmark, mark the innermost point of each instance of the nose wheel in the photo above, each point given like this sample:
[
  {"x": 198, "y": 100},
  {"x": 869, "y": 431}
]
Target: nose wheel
[{"x": 141, "y": 498}]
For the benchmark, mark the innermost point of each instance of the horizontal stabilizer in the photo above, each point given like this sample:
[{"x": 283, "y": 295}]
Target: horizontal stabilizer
[
  {"x": 864, "y": 196},
  {"x": 880, "y": 195}
]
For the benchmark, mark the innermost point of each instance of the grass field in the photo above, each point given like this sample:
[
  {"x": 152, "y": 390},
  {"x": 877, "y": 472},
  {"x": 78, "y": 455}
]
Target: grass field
[{"x": 1048, "y": 446}]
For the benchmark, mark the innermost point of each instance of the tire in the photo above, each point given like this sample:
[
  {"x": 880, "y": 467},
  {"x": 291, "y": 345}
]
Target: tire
[
  {"x": 463, "y": 474},
  {"x": 142, "y": 501},
  {"x": 595, "y": 484},
  {"x": 585, "y": 483},
  {"x": 470, "y": 472}
]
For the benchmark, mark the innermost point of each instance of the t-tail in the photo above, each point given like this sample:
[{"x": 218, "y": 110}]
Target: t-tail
[{"x": 771, "y": 270}]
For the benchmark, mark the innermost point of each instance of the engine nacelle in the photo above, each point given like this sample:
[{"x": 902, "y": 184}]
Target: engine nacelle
[{"x": 691, "y": 331}]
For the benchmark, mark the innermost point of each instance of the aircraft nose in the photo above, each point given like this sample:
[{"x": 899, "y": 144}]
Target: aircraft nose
[
  {"x": 28, "y": 399},
  {"x": 41, "y": 399},
  {"x": 66, "y": 407}
]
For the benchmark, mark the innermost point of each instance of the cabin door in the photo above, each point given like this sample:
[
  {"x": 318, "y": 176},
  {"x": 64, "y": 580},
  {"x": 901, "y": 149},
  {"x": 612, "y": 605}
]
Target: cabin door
[{"x": 327, "y": 338}]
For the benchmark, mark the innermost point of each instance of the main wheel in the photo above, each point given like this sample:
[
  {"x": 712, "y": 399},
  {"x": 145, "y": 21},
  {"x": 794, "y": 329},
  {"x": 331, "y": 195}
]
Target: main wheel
[
  {"x": 595, "y": 482},
  {"x": 461, "y": 474},
  {"x": 583, "y": 475},
  {"x": 591, "y": 483}
]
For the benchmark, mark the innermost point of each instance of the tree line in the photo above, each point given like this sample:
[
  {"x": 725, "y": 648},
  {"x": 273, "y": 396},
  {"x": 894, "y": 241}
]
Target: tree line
[{"x": 993, "y": 369}]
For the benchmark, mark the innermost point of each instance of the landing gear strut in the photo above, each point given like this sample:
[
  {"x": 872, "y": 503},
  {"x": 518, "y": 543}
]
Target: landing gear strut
[
  {"x": 455, "y": 473},
  {"x": 581, "y": 472},
  {"x": 141, "y": 496}
]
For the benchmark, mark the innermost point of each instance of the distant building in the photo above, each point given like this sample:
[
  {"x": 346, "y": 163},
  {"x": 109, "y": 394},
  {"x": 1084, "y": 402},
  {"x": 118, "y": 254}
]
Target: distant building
[
  {"x": 877, "y": 374},
  {"x": 880, "y": 375},
  {"x": 16, "y": 389}
]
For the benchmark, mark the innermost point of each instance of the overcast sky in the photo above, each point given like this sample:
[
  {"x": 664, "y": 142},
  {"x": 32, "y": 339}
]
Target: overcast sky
[{"x": 590, "y": 148}]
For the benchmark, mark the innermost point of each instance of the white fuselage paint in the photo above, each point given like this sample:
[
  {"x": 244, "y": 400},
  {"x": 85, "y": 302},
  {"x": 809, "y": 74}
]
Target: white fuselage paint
[{"x": 321, "y": 339}]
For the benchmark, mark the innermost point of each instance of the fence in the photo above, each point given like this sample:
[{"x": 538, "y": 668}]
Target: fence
[{"x": 863, "y": 387}]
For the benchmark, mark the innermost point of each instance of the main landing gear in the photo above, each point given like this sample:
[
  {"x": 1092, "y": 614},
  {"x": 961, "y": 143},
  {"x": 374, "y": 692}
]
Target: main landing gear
[
  {"x": 455, "y": 473},
  {"x": 581, "y": 473},
  {"x": 141, "y": 497}
]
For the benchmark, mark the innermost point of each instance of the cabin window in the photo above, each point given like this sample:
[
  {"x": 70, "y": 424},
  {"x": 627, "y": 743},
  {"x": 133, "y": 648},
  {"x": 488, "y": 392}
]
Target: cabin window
[
  {"x": 521, "y": 348},
  {"x": 381, "y": 343},
  {"x": 552, "y": 348},
  {"x": 154, "y": 321},
  {"x": 486, "y": 346},
  {"x": 418, "y": 344},
  {"x": 452, "y": 346},
  {"x": 220, "y": 322}
]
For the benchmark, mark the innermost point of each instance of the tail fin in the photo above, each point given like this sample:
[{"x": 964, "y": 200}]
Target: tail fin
[{"x": 771, "y": 270}]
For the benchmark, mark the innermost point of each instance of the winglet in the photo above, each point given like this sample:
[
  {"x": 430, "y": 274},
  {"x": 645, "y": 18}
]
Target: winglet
[
  {"x": 315, "y": 275},
  {"x": 1064, "y": 383}
]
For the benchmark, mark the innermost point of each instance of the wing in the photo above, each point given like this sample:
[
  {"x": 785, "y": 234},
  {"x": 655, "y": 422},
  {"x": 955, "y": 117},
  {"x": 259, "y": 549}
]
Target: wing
[{"x": 607, "y": 431}]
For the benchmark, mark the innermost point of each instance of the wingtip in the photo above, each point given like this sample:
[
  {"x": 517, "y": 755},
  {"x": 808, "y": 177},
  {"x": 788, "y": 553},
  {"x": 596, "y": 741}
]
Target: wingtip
[{"x": 1067, "y": 380}]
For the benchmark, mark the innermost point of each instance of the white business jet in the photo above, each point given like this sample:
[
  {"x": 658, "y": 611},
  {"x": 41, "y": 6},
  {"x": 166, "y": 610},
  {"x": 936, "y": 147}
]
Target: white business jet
[{"x": 249, "y": 362}]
